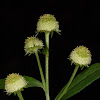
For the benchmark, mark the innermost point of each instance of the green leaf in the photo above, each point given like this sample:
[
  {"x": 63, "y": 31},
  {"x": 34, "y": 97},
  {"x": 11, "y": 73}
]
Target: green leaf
[
  {"x": 45, "y": 50},
  {"x": 81, "y": 81},
  {"x": 2, "y": 83},
  {"x": 51, "y": 34},
  {"x": 32, "y": 82}
]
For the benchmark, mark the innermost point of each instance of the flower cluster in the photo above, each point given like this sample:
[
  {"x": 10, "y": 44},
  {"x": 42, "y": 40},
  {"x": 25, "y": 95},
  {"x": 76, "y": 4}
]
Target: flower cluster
[{"x": 80, "y": 56}]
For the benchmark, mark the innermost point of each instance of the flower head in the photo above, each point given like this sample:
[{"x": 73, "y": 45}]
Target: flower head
[
  {"x": 32, "y": 44},
  {"x": 14, "y": 82},
  {"x": 47, "y": 22},
  {"x": 81, "y": 56}
]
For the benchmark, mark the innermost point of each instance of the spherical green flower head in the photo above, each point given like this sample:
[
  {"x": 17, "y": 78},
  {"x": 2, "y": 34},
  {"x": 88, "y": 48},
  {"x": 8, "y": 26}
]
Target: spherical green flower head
[
  {"x": 32, "y": 44},
  {"x": 47, "y": 22},
  {"x": 81, "y": 56},
  {"x": 14, "y": 82}
]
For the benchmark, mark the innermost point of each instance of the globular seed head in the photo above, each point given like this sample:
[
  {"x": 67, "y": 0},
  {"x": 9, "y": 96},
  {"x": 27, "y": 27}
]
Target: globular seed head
[
  {"x": 47, "y": 22},
  {"x": 14, "y": 82},
  {"x": 32, "y": 44},
  {"x": 81, "y": 56}
]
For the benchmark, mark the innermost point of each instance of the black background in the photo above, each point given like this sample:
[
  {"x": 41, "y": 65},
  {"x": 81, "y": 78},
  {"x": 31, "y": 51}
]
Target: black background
[{"x": 79, "y": 24}]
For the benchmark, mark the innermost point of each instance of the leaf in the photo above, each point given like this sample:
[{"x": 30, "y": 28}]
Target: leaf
[
  {"x": 2, "y": 83},
  {"x": 51, "y": 34},
  {"x": 45, "y": 50},
  {"x": 32, "y": 82},
  {"x": 81, "y": 81}
]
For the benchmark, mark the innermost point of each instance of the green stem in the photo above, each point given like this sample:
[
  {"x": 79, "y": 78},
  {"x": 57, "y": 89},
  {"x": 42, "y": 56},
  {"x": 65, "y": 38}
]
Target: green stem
[
  {"x": 47, "y": 65},
  {"x": 20, "y": 95},
  {"x": 40, "y": 69},
  {"x": 69, "y": 83}
]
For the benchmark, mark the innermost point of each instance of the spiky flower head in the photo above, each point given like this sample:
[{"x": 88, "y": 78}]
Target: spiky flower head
[
  {"x": 80, "y": 56},
  {"x": 14, "y": 82},
  {"x": 47, "y": 22},
  {"x": 32, "y": 44}
]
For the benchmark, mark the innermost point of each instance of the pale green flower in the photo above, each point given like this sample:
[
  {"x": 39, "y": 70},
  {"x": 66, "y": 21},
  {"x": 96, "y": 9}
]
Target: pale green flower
[
  {"x": 47, "y": 22},
  {"x": 32, "y": 44},
  {"x": 81, "y": 56},
  {"x": 14, "y": 82}
]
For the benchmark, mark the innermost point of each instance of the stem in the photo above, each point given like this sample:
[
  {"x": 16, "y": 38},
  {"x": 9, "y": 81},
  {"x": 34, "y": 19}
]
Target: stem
[
  {"x": 69, "y": 83},
  {"x": 20, "y": 95},
  {"x": 40, "y": 69},
  {"x": 47, "y": 65}
]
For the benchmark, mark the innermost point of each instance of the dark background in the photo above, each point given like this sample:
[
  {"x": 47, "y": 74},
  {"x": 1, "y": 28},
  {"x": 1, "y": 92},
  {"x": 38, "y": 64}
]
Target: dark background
[{"x": 79, "y": 24}]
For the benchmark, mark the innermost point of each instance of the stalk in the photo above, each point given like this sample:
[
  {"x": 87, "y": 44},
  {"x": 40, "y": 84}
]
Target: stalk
[
  {"x": 69, "y": 83},
  {"x": 20, "y": 95},
  {"x": 40, "y": 69},
  {"x": 47, "y": 65}
]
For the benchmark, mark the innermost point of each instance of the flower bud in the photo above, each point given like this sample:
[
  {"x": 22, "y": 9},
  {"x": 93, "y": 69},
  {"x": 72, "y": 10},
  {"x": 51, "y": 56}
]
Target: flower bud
[
  {"x": 32, "y": 44},
  {"x": 81, "y": 56},
  {"x": 14, "y": 82},
  {"x": 47, "y": 22}
]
